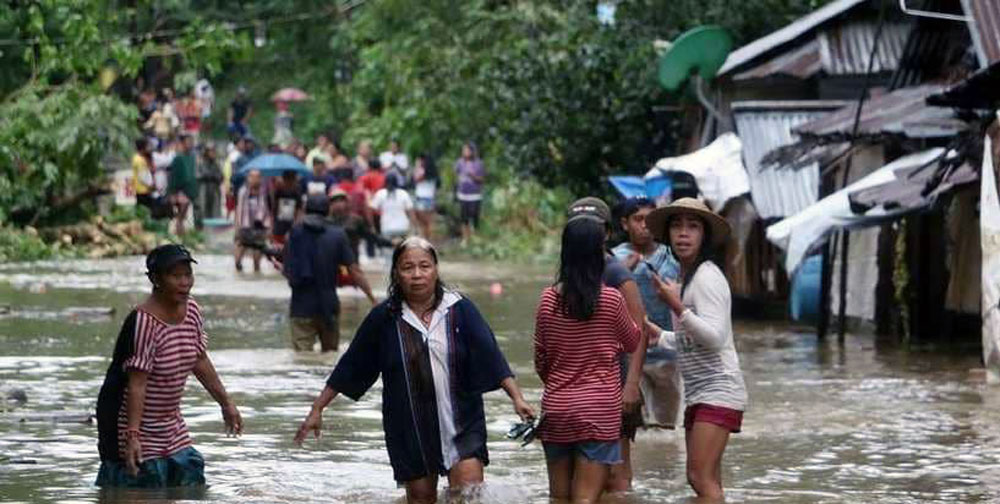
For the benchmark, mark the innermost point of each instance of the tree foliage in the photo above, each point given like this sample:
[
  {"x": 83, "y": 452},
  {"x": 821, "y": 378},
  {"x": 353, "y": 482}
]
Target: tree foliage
[
  {"x": 58, "y": 117},
  {"x": 545, "y": 89}
]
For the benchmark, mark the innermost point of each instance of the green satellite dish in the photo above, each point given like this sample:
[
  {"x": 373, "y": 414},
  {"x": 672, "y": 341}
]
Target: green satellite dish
[
  {"x": 695, "y": 57},
  {"x": 699, "y": 51}
]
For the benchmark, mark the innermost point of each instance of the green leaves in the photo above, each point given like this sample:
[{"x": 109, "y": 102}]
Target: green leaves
[{"x": 54, "y": 139}]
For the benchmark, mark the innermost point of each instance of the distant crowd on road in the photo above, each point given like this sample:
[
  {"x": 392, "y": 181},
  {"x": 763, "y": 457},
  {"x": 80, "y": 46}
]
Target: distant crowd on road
[{"x": 377, "y": 199}]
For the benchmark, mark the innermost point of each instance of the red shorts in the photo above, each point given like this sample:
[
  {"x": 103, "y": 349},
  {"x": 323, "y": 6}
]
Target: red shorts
[{"x": 726, "y": 418}]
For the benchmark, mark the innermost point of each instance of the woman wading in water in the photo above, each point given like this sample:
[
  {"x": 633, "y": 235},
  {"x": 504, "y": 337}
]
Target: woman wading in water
[
  {"x": 703, "y": 338},
  {"x": 581, "y": 329},
  {"x": 142, "y": 438},
  {"x": 437, "y": 356}
]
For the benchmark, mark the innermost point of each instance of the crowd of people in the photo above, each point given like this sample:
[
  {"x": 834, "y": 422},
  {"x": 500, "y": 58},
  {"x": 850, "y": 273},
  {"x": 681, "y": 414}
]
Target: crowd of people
[
  {"x": 612, "y": 334},
  {"x": 376, "y": 199}
]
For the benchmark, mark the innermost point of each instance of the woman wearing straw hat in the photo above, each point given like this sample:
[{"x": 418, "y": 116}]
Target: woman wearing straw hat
[{"x": 703, "y": 338}]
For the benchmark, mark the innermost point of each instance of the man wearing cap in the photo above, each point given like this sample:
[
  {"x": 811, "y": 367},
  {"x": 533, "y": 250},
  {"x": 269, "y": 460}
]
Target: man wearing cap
[
  {"x": 618, "y": 276},
  {"x": 313, "y": 257},
  {"x": 142, "y": 438}
]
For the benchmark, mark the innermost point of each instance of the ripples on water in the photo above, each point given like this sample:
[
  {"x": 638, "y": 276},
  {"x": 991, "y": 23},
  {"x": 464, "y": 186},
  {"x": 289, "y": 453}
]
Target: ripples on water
[{"x": 826, "y": 425}]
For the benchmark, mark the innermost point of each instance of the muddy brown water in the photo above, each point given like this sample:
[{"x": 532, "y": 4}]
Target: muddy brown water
[{"x": 861, "y": 423}]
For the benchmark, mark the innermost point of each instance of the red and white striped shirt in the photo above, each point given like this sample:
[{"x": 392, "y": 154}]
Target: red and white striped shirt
[
  {"x": 168, "y": 353},
  {"x": 578, "y": 361}
]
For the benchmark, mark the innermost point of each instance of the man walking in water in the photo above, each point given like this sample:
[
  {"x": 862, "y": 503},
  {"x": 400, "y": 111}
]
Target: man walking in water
[{"x": 315, "y": 252}]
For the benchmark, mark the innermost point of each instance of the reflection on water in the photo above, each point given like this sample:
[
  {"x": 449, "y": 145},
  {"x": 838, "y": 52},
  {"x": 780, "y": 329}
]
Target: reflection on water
[{"x": 826, "y": 424}]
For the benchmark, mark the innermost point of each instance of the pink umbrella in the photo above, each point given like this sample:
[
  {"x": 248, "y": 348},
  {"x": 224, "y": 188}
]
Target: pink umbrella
[{"x": 289, "y": 95}]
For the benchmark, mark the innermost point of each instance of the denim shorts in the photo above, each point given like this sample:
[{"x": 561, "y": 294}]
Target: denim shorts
[
  {"x": 604, "y": 452},
  {"x": 424, "y": 204}
]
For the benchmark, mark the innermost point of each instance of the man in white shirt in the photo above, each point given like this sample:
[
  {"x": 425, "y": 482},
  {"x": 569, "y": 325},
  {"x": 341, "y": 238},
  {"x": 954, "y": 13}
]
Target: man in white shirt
[
  {"x": 396, "y": 208},
  {"x": 393, "y": 159}
]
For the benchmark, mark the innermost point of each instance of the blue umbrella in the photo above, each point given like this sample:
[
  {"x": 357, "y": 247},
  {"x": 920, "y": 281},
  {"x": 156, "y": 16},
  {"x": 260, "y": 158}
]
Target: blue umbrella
[{"x": 271, "y": 165}]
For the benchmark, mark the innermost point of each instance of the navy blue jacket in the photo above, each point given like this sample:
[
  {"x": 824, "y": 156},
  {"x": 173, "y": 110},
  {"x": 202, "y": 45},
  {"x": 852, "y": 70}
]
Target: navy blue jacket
[{"x": 382, "y": 347}]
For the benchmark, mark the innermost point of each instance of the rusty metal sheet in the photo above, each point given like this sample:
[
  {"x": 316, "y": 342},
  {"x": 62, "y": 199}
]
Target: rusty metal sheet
[
  {"x": 789, "y": 33},
  {"x": 845, "y": 48},
  {"x": 901, "y": 112},
  {"x": 802, "y": 63},
  {"x": 985, "y": 28}
]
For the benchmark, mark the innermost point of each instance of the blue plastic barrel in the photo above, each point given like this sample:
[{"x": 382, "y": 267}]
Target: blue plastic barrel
[{"x": 804, "y": 298}]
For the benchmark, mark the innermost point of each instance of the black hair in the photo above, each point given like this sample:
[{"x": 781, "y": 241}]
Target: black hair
[
  {"x": 140, "y": 143},
  {"x": 472, "y": 147},
  {"x": 581, "y": 266},
  {"x": 395, "y": 291},
  {"x": 706, "y": 252},
  {"x": 392, "y": 183},
  {"x": 430, "y": 167},
  {"x": 632, "y": 205}
]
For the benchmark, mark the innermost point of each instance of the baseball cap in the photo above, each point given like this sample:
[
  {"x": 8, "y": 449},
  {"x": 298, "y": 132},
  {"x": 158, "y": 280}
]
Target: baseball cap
[
  {"x": 337, "y": 192},
  {"x": 317, "y": 204},
  {"x": 163, "y": 257},
  {"x": 589, "y": 208}
]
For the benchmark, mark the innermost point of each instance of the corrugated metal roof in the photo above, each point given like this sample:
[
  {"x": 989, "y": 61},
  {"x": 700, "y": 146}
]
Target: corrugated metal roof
[
  {"x": 839, "y": 49},
  {"x": 803, "y": 25},
  {"x": 933, "y": 50},
  {"x": 845, "y": 48},
  {"x": 913, "y": 189},
  {"x": 901, "y": 112},
  {"x": 802, "y": 63},
  {"x": 763, "y": 128},
  {"x": 985, "y": 28}
]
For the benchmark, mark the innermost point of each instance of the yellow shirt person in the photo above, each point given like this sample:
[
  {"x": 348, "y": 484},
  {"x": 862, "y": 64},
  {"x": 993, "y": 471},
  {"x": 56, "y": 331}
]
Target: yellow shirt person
[{"x": 142, "y": 176}]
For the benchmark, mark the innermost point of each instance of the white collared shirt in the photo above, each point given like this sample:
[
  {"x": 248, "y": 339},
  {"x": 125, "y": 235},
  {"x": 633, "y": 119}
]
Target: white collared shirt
[{"x": 435, "y": 335}]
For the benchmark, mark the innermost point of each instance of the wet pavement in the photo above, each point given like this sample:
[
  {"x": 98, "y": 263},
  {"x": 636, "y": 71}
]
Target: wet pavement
[{"x": 830, "y": 424}]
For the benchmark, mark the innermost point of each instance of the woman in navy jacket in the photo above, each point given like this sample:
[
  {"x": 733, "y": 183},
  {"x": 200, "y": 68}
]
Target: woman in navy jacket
[{"x": 436, "y": 356}]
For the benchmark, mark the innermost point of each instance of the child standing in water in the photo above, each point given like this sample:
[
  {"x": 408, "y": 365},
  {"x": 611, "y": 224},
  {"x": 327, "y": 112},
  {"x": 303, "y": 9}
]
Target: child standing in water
[{"x": 714, "y": 389}]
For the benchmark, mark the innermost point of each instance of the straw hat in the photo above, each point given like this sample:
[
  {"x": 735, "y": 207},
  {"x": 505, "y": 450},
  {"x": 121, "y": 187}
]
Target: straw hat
[{"x": 656, "y": 221}]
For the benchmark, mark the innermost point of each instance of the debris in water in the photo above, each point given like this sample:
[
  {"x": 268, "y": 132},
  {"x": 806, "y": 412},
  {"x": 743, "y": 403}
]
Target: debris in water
[
  {"x": 89, "y": 311},
  {"x": 18, "y": 396}
]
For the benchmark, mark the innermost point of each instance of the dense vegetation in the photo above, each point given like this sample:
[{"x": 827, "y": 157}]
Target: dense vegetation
[{"x": 548, "y": 91}]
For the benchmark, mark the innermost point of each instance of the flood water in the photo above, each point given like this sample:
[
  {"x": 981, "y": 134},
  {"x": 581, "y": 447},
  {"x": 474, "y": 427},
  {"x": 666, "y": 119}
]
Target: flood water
[{"x": 827, "y": 424}]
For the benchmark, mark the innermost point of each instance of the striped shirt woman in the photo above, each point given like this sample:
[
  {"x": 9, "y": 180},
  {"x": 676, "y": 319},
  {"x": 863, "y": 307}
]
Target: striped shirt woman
[{"x": 578, "y": 363}]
